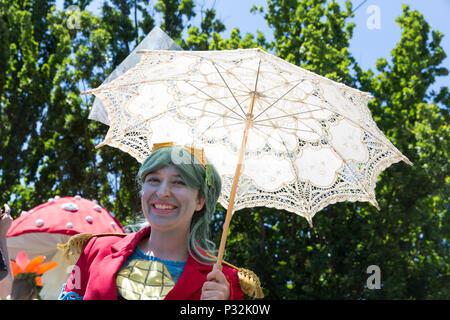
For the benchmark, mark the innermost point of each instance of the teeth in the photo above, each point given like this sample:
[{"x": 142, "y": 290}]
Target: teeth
[{"x": 163, "y": 206}]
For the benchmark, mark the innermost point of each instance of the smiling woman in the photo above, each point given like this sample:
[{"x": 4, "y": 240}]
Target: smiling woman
[
  {"x": 202, "y": 182},
  {"x": 169, "y": 204},
  {"x": 171, "y": 258}
]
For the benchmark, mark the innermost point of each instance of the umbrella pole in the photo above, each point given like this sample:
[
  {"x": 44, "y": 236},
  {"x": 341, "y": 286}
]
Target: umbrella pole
[{"x": 237, "y": 173}]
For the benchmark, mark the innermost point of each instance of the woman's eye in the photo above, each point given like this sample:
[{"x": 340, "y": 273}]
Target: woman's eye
[
  {"x": 152, "y": 180},
  {"x": 179, "y": 182}
]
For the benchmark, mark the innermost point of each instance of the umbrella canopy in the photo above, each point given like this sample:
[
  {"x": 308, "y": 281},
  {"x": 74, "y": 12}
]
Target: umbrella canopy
[
  {"x": 279, "y": 135},
  {"x": 38, "y": 231}
]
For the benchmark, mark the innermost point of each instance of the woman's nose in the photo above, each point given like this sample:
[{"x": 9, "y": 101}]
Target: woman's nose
[{"x": 163, "y": 189}]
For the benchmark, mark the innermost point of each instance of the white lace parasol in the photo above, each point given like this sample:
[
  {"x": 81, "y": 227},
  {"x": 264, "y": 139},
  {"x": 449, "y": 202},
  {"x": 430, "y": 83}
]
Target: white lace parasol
[{"x": 305, "y": 141}]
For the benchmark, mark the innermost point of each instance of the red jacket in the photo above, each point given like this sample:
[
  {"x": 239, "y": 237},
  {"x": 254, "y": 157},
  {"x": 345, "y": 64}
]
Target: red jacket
[{"x": 94, "y": 275}]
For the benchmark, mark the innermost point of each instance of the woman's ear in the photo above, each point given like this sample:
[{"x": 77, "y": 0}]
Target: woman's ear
[{"x": 200, "y": 203}]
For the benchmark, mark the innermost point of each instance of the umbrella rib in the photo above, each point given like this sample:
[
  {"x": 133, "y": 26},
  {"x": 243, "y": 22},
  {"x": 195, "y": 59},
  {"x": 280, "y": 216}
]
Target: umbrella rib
[
  {"x": 215, "y": 84},
  {"x": 286, "y": 128},
  {"x": 226, "y": 84},
  {"x": 209, "y": 128},
  {"x": 268, "y": 103},
  {"x": 128, "y": 85},
  {"x": 278, "y": 99},
  {"x": 282, "y": 85},
  {"x": 288, "y": 115},
  {"x": 234, "y": 76},
  {"x": 252, "y": 101},
  {"x": 222, "y": 126},
  {"x": 215, "y": 113},
  {"x": 257, "y": 76},
  {"x": 289, "y": 100},
  {"x": 131, "y": 128},
  {"x": 219, "y": 102},
  {"x": 268, "y": 136}
]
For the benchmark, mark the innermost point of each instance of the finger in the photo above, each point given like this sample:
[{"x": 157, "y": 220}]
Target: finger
[
  {"x": 206, "y": 294},
  {"x": 219, "y": 291},
  {"x": 216, "y": 275},
  {"x": 211, "y": 286},
  {"x": 7, "y": 209},
  {"x": 211, "y": 298},
  {"x": 212, "y": 295}
]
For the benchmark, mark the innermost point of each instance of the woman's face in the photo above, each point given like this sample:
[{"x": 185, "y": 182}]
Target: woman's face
[{"x": 168, "y": 202}]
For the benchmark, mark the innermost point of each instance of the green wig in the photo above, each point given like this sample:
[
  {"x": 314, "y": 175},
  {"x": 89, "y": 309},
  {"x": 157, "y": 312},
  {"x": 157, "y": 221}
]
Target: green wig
[{"x": 203, "y": 178}]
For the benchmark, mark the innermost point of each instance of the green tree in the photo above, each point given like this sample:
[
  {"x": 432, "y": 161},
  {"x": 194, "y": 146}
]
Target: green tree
[
  {"x": 414, "y": 199},
  {"x": 23, "y": 81},
  {"x": 313, "y": 34},
  {"x": 48, "y": 144},
  {"x": 408, "y": 238}
]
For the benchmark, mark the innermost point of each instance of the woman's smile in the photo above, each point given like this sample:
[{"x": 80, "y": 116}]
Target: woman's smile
[{"x": 163, "y": 207}]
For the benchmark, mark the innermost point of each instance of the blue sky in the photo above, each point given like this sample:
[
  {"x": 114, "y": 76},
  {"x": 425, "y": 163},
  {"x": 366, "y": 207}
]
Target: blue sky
[
  {"x": 375, "y": 35},
  {"x": 373, "y": 38}
]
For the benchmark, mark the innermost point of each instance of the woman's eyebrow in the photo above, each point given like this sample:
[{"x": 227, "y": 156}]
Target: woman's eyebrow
[
  {"x": 160, "y": 173},
  {"x": 156, "y": 174}
]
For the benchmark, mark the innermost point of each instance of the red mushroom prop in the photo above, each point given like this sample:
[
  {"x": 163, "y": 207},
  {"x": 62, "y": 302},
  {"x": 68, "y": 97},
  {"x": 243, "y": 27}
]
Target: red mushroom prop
[{"x": 38, "y": 231}]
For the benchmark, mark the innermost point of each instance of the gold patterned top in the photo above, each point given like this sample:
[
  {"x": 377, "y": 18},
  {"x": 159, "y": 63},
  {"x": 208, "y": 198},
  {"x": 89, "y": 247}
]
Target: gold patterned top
[{"x": 146, "y": 278}]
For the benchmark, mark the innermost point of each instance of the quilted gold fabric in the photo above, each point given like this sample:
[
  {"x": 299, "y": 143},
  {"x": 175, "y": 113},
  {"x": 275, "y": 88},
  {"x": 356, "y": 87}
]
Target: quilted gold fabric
[{"x": 144, "y": 280}]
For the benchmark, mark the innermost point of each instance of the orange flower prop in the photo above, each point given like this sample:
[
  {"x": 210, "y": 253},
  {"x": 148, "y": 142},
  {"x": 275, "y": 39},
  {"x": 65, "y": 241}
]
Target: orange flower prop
[{"x": 23, "y": 268}]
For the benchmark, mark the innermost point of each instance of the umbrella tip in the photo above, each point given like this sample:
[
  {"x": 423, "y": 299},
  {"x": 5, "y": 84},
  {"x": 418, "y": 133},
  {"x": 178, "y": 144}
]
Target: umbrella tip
[
  {"x": 405, "y": 159},
  {"x": 100, "y": 145},
  {"x": 309, "y": 219},
  {"x": 375, "y": 203}
]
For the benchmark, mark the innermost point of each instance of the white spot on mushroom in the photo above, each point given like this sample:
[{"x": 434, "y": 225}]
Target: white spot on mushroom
[
  {"x": 98, "y": 208},
  {"x": 24, "y": 213},
  {"x": 113, "y": 224},
  {"x": 95, "y": 201},
  {"x": 69, "y": 206},
  {"x": 51, "y": 200},
  {"x": 69, "y": 225},
  {"x": 112, "y": 214},
  {"x": 57, "y": 197},
  {"x": 89, "y": 219},
  {"x": 39, "y": 222},
  {"x": 78, "y": 197}
]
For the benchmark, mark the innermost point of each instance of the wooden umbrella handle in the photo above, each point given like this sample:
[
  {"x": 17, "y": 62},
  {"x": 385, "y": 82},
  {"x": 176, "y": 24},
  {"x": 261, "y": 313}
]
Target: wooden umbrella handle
[
  {"x": 229, "y": 213},
  {"x": 237, "y": 173}
]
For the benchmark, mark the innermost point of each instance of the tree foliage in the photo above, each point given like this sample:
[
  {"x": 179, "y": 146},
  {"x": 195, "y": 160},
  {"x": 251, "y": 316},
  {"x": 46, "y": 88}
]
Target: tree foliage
[{"x": 47, "y": 144}]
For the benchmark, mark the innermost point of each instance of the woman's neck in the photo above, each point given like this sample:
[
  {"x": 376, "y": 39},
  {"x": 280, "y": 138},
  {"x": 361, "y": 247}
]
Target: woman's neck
[{"x": 166, "y": 245}]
